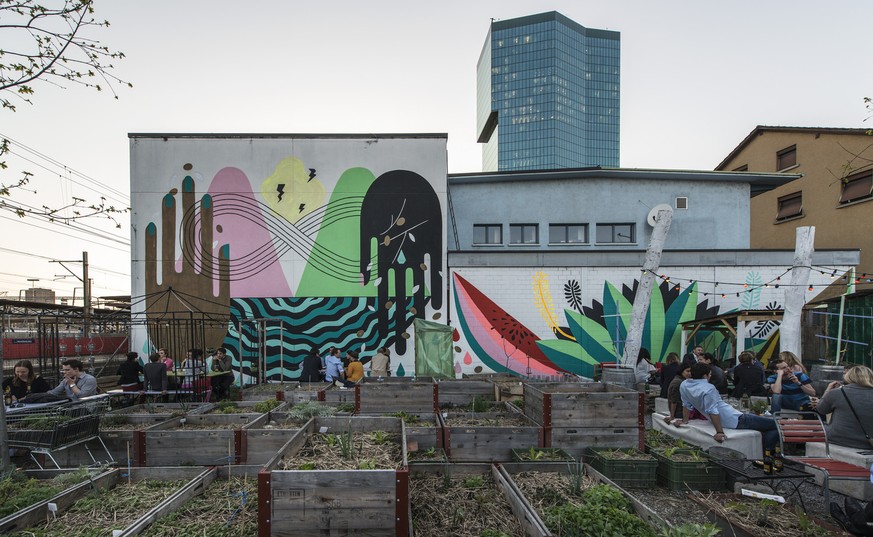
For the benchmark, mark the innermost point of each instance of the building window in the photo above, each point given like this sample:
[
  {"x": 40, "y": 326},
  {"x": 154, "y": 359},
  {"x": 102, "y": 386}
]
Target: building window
[
  {"x": 790, "y": 206},
  {"x": 786, "y": 158},
  {"x": 487, "y": 234},
  {"x": 857, "y": 187},
  {"x": 568, "y": 233},
  {"x": 681, "y": 202},
  {"x": 523, "y": 234},
  {"x": 615, "y": 233}
]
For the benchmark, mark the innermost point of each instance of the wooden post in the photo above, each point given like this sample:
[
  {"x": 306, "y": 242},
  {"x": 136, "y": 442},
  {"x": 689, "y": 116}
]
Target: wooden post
[
  {"x": 663, "y": 219},
  {"x": 795, "y": 295}
]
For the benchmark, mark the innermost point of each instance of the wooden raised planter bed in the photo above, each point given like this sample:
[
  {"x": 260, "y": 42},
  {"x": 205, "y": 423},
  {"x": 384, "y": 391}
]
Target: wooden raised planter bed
[
  {"x": 300, "y": 391},
  {"x": 336, "y": 501},
  {"x": 577, "y": 415},
  {"x": 384, "y": 397},
  {"x": 488, "y": 436},
  {"x": 455, "y": 393},
  {"x": 198, "y": 439},
  {"x": 113, "y": 501}
]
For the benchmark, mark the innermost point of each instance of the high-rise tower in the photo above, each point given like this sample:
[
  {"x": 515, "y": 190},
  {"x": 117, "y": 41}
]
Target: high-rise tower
[{"x": 548, "y": 95}]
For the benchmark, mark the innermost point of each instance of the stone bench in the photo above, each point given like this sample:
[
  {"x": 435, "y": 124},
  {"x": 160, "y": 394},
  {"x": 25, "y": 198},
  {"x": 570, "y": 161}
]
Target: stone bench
[
  {"x": 862, "y": 490},
  {"x": 700, "y": 432},
  {"x": 663, "y": 407}
]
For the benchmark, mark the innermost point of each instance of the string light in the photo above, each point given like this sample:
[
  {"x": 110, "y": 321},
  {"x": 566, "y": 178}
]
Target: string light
[{"x": 810, "y": 288}]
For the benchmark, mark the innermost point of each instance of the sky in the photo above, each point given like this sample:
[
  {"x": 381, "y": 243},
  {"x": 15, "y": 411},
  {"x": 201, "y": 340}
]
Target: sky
[{"x": 696, "y": 78}]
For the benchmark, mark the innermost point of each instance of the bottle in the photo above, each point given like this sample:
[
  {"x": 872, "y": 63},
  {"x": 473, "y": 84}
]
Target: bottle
[
  {"x": 745, "y": 402},
  {"x": 768, "y": 462},
  {"x": 7, "y": 398},
  {"x": 778, "y": 459}
]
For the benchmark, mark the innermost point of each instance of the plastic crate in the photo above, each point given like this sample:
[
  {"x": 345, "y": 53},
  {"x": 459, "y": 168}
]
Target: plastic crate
[
  {"x": 689, "y": 475},
  {"x": 639, "y": 472}
]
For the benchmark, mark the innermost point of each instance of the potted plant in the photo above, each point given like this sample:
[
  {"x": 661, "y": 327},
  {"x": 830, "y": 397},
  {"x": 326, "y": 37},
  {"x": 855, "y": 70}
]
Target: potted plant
[
  {"x": 625, "y": 467},
  {"x": 682, "y": 469}
]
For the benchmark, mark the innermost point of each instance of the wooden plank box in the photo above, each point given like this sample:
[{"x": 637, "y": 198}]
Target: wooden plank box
[
  {"x": 38, "y": 513},
  {"x": 298, "y": 392},
  {"x": 577, "y": 415},
  {"x": 488, "y": 442},
  {"x": 334, "y": 502},
  {"x": 201, "y": 440},
  {"x": 334, "y": 395},
  {"x": 168, "y": 409},
  {"x": 383, "y": 397},
  {"x": 265, "y": 436},
  {"x": 462, "y": 392}
]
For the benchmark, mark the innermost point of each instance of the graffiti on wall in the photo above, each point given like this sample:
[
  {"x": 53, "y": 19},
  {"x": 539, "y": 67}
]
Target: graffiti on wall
[
  {"x": 293, "y": 261},
  {"x": 581, "y": 336}
]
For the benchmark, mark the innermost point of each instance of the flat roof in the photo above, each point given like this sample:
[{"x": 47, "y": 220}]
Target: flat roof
[{"x": 282, "y": 135}]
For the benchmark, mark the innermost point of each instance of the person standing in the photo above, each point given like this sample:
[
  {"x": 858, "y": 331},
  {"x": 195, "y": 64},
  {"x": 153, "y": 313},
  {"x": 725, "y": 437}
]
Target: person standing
[
  {"x": 380, "y": 364},
  {"x": 222, "y": 374},
  {"x": 76, "y": 383},
  {"x": 694, "y": 356},
  {"x": 23, "y": 382},
  {"x": 129, "y": 372},
  {"x": 698, "y": 394}
]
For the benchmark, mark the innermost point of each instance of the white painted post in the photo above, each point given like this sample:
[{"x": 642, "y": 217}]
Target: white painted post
[
  {"x": 633, "y": 341},
  {"x": 795, "y": 295}
]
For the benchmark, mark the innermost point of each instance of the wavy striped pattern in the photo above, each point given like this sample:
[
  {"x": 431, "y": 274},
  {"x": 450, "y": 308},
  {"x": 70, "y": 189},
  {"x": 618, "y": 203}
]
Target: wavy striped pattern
[{"x": 294, "y": 325}]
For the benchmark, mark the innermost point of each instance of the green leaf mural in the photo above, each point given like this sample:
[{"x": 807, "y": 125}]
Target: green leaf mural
[
  {"x": 593, "y": 337},
  {"x": 569, "y": 356},
  {"x": 616, "y": 313}
]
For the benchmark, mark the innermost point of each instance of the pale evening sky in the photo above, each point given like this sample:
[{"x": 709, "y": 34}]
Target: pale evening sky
[{"x": 696, "y": 78}]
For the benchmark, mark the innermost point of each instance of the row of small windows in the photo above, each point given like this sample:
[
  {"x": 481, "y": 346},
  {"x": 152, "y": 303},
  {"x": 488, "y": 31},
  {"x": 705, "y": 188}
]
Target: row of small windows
[
  {"x": 492, "y": 234},
  {"x": 855, "y": 187}
]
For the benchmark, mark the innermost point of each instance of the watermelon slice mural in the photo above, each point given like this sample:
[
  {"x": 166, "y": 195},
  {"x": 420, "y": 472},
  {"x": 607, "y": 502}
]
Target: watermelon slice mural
[{"x": 593, "y": 335}]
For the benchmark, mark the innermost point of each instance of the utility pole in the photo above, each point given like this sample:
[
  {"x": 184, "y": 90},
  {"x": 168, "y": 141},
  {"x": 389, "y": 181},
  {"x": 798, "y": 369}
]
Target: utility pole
[{"x": 86, "y": 285}]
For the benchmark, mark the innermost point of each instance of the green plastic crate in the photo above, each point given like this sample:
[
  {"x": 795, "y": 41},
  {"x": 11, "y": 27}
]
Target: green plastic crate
[
  {"x": 689, "y": 475},
  {"x": 626, "y": 473}
]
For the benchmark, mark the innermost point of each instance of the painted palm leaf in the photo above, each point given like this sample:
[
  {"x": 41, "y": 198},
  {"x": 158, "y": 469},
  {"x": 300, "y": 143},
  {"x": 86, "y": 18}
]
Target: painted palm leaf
[
  {"x": 569, "y": 356},
  {"x": 594, "y": 339}
]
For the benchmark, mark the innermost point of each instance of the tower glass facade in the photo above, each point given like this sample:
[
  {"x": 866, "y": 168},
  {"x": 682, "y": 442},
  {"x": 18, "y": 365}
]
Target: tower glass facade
[{"x": 548, "y": 95}]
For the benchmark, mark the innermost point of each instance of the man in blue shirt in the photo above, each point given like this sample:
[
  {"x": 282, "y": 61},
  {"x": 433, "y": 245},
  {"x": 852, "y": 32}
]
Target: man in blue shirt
[
  {"x": 333, "y": 371},
  {"x": 698, "y": 393},
  {"x": 791, "y": 390}
]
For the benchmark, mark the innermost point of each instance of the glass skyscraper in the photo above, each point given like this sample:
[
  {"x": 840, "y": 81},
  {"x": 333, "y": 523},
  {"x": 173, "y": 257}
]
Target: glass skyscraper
[{"x": 548, "y": 95}]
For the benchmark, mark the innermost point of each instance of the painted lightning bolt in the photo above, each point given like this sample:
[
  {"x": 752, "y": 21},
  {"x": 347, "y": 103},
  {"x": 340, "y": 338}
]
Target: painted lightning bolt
[{"x": 281, "y": 190}]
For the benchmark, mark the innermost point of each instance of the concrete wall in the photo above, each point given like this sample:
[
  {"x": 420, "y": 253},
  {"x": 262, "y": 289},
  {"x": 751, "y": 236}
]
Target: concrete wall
[
  {"x": 272, "y": 244},
  {"x": 716, "y": 218}
]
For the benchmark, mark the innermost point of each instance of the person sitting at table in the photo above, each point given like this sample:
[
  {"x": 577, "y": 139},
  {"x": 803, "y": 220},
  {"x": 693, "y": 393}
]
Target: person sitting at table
[
  {"x": 674, "y": 399},
  {"x": 849, "y": 404},
  {"x": 698, "y": 394},
  {"x": 311, "y": 367},
  {"x": 194, "y": 369},
  {"x": 23, "y": 382},
  {"x": 222, "y": 376},
  {"x": 791, "y": 391},
  {"x": 129, "y": 372},
  {"x": 748, "y": 378},
  {"x": 355, "y": 369},
  {"x": 76, "y": 383},
  {"x": 155, "y": 375}
]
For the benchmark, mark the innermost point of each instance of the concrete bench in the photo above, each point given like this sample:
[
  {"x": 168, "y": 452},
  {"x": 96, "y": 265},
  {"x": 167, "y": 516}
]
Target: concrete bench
[
  {"x": 663, "y": 407},
  {"x": 700, "y": 432},
  {"x": 862, "y": 490}
]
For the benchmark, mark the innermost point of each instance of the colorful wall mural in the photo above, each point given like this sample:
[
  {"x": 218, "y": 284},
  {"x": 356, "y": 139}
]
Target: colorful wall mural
[
  {"x": 555, "y": 321},
  {"x": 273, "y": 245}
]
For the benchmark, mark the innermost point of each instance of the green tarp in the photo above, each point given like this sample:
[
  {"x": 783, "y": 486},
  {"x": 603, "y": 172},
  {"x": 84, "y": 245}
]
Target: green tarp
[{"x": 433, "y": 350}]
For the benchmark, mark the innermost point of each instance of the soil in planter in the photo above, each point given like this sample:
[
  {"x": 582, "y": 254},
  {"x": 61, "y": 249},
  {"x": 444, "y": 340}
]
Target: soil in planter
[
  {"x": 18, "y": 492},
  {"x": 485, "y": 420},
  {"x": 101, "y": 511},
  {"x": 433, "y": 454},
  {"x": 227, "y": 508},
  {"x": 468, "y": 506},
  {"x": 766, "y": 518},
  {"x": 377, "y": 450}
]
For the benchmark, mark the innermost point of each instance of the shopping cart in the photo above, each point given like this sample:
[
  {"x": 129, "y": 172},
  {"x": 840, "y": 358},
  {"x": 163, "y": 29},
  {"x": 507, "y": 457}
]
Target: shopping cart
[{"x": 45, "y": 428}]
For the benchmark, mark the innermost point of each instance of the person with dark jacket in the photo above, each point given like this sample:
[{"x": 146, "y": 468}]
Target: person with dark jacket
[
  {"x": 668, "y": 372},
  {"x": 155, "y": 374},
  {"x": 674, "y": 398},
  {"x": 748, "y": 378},
  {"x": 23, "y": 382},
  {"x": 717, "y": 377},
  {"x": 311, "y": 367},
  {"x": 129, "y": 372}
]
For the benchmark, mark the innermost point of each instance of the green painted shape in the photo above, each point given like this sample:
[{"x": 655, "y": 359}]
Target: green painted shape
[
  {"x": 340, "y": 239},
  {"x": 400, "y": 371},
  {"x": 569, "y": 356},
  {"x": 683, "y": 309},
  {"x": 592, "y": 337},
  {"x": 653, "y": 329},
  {"x": 616, "y": 309}
]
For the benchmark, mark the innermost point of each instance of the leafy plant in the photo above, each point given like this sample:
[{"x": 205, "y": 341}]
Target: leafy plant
[
  {"x": 307, "y": 466},
  {"x": 381, "y": 437},
  {"x": 306, "y": 410},
  {"x": 594, "y": 519},
  {"x": 759, "y": 407},
  {"x": 367, "y": 465},
  {"x": 43, "y": 423},
  {"x": 226, "y": 407},
  {"x": 807, "y": 527},
  {"x": 480, "y": 404},
  {"x": 262, "y": 407},
  {"x": 607, "y": 496},
  {"x": 493, "y": 533},
  {"x": 346, "y": 442},
  {"x": 407, "y": 418},
  {"x": 345, "y": 407},
  {"x": 474, "y": 482}
]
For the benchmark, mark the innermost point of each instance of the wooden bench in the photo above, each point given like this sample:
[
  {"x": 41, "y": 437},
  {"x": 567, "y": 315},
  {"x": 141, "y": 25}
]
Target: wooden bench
[
  {"x": 700, "y": 433},
  {"x": 820, "y": 457}
]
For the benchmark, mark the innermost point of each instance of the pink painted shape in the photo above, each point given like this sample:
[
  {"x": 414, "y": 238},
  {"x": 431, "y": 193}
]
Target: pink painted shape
[
  {"x": 468, "y": 359},
  {"x": 491, "y": 343},
  {"x": 246, "y": 233}
]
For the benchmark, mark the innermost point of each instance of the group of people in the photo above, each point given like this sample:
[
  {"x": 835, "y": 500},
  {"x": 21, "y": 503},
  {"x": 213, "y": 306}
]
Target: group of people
[
  {"x": 191, "y": 375},
  {"x": 694, "y": 392},
  {"x": 25, "y": 386},
  {"x": 331, "y": 368}
]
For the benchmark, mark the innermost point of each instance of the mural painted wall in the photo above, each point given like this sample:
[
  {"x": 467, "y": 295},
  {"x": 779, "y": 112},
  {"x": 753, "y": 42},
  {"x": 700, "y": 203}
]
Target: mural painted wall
[
  {"x": 270, "y": 245},
  {"x": 544, "y": 322}
]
